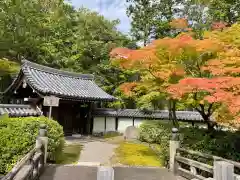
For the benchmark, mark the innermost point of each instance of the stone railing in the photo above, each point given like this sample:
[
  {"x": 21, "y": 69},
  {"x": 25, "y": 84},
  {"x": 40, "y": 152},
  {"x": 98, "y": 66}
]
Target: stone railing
[
  {"x": 195, "y": 165},
  {"x": 31, "y": 165}
]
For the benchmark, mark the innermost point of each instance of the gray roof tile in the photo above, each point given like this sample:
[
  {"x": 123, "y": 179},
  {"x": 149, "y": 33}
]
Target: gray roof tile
[
  {"x": 69, "y": 85},
  {"x": 19, "y": 110},
  {"x": 160, "y": 114}
]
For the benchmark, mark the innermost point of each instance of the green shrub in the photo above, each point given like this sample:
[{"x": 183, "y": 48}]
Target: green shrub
[
  {"x": 219, "y": 143},
  {"x": 18, "y": 136},
  {"x": 157, "y": 132}
]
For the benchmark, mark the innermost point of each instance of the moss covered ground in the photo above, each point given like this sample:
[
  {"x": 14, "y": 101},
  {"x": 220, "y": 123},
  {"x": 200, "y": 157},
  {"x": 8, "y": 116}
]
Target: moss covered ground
[{"x": 134, "y": 154}]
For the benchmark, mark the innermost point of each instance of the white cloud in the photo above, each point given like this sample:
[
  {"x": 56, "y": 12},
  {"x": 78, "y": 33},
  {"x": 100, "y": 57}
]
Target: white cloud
[{"x": 111, "y": 9}]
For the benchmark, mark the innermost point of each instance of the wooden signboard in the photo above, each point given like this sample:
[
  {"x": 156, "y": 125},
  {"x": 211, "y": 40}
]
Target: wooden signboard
[{"x": 51, "y": 101}]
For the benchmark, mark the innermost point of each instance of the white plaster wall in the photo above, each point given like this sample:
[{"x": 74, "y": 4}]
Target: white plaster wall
[
  {"x": 138, "y": 122},
  {"x": 99, "y": 124},
  {"x": 123, "y": 123},
  {"x": 110, "y": 123}
]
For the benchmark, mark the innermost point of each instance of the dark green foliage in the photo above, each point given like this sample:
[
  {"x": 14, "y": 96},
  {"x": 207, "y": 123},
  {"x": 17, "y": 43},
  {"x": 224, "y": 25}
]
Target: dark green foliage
[
  {"x": 18, "y": 137},
  {"x": 224, "y": 10},
  {"x": 219, "y": 143},
  {"x": 157, "y": 132},
  {"x": 142, "y": 13},
  {"x": 150, "y": 19},
  {"x": 55, "y": 34}
]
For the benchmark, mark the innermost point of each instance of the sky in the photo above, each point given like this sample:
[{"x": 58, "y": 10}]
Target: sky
[{"x": 111, "y": 9}]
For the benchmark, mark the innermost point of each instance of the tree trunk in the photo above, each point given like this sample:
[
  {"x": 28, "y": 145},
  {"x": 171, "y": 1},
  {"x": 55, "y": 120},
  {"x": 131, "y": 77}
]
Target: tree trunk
[
  {"x": 176, "y": 124},
  {"x": 206, "y": 116},
  {"x": 172, "y": 113},
  {"x": 144, "y": 42},
  {"x": 210, "y": 126}
]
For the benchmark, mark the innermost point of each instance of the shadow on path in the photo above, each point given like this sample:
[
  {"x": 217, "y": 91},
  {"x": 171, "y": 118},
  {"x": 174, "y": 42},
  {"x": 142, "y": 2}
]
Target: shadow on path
[
  {"x": 60, "y": 172},
  {"x": 142, "y": 173}
]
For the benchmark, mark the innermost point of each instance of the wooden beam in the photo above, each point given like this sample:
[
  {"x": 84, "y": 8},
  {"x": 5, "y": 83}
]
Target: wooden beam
[
  {"x": 105, "y": 123},
  {"x": 116, "y": 125},
  {"x": 33, "y": 100}
]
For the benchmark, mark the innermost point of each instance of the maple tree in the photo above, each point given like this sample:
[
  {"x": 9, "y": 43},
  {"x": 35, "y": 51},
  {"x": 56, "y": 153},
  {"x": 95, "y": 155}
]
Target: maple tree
[
  {"x": 202, "y": 74},
  {"x": 163, "y": 63},
  {"x": 221, "y": 90}
]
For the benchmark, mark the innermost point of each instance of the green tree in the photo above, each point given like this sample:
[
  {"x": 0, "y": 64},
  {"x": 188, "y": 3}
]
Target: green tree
[
  {"x": 196, "y": 12},
  {"x": 142, "y": 13},
  {"x": 224, "y": 10},
  {"x": 150, "y": 19},
  {"x": 166, "y": 11},
  {"x": 53, "y": 33}
]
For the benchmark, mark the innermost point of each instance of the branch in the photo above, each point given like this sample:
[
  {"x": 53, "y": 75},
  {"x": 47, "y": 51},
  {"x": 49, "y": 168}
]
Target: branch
[
  {"x": 202, "y": 108},
  {"x": 198, "y": 110},
  {"x": 198, "y": 66},
  {"x": 152, "y": 73},
  {"x": 209, "y": 109},
  {"x": 195, "y": 96}
]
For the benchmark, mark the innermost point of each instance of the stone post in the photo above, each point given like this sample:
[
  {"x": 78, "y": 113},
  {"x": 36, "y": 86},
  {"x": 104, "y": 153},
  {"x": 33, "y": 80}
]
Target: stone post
[
  {"x": 105, "y": 173},
  {"x": 223, "y": 170},
  {"x": 42, "y": 140},
  {"x": 174, "y": 144}
]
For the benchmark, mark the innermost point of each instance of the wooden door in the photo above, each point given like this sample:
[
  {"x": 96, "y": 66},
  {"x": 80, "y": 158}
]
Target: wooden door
[{"x": 66, "y": 117}]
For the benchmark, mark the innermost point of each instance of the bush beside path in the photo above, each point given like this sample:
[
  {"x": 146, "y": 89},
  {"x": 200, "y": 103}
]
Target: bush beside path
[{"x": 18, "y": 137}]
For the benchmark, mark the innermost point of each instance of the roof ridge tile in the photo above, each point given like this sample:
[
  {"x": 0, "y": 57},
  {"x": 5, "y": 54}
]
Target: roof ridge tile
[{"x": 29, "y": 64}]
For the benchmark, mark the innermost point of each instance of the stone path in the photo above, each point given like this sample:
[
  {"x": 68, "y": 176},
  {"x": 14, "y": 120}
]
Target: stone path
[
  {"x": 96, "y": 152},
  {"x": 61, "y": 172},
  {"x": 143, "y": 173}
]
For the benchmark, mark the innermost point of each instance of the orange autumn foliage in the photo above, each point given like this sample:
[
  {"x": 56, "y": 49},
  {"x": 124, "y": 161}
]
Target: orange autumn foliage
[
  {"x": 218, "y": 25},
  {"x": 219, "y": 90},
  {"x": 128, "y": 88},
  {"x": 180, "y": 23},
  {"x": 224, "y": 85},
  {"x": 228, "y": 63},
  {"x": 164, "y": 58},
  {"x": 161, "y": 55}
]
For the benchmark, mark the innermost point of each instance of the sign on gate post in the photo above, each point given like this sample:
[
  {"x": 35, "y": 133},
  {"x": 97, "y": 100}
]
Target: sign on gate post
[{"x": 51, "y": 101}]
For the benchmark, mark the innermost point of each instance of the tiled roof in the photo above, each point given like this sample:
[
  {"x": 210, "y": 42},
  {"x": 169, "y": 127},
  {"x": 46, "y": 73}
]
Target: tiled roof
[
  {"x": 161, "y": 114},
  {"x": 19, "y": 110},
  {"x": 67, "y": 85}
]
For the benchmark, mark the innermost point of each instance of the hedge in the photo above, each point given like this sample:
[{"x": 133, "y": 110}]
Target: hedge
[
  {"x": 219, "y": 143},
  {"x": 18, "y": 136}
]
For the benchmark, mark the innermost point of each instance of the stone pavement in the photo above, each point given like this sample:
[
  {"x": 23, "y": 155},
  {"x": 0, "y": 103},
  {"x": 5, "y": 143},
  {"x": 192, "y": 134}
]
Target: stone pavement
[
  {"x": 143, "y": 173},
  {"x": 61, "y": 172},
  {"x": 97, "y": 152},
  {"x": 54, "y": 172}
]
